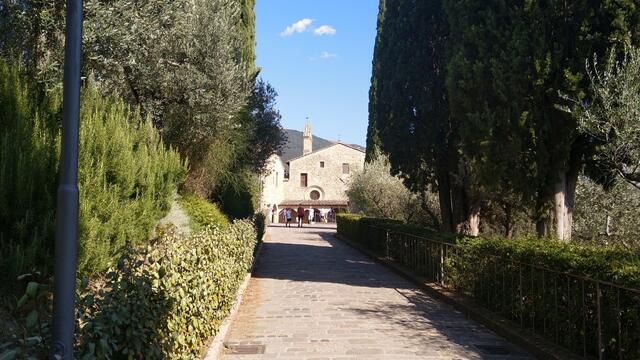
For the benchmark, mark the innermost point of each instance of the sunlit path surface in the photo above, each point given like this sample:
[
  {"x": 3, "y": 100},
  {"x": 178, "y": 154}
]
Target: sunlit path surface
[{"x": 313, "y": 297}]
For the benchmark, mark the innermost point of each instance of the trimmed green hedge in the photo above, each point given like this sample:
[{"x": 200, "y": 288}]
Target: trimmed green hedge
[
  {"x": 202, "y": 213},
  {"x": 540, "y": 284},
  {"x": 359, "y": 228},
  {"x": 165, "y": 301},
  {"x": 260, "y": 222},
  {"x": 607, "y": 264}
]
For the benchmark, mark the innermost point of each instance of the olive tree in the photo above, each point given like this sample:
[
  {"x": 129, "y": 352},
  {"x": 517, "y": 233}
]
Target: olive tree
[
  {"x": 607, "y": 216},
  {"x": 374, "y": 191},
  {"x": 612, "y": 118}
]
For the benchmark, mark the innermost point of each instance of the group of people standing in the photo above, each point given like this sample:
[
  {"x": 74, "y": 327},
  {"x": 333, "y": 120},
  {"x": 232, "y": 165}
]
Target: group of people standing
[
  {"x": 288, "y": 213},
  {"x": 314, "y": 215}
]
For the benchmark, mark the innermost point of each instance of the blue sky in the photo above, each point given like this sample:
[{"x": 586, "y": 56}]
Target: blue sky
[{"x": 321, "y": 65}]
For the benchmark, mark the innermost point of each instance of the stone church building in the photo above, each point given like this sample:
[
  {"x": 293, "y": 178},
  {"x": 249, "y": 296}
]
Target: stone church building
[{"x": 314, "y": 177}]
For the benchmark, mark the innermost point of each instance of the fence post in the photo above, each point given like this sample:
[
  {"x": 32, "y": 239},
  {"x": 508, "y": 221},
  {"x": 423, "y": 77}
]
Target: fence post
[
  {"x": 442, "y": 264},
  {"x": 598, "y": 300},
  {"x": 387, "y": 243}
]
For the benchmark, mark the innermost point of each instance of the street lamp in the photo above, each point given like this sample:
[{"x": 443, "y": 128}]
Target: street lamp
[{"x": 67, "y": 197}]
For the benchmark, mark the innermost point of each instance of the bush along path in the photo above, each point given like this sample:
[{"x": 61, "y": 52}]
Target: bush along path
[
  {"x": 581, "y": 298},
  {"x": 164, "y": 300}
]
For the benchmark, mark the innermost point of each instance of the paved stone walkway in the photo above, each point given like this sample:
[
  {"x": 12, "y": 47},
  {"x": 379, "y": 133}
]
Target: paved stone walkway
[{"x": 314, "y": 297}]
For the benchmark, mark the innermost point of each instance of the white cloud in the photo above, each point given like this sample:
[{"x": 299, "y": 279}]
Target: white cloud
[
  {"x": 297, "y": 27},
  {"x": 324, "y": 30},
  {"x": 328, "y": 55}
]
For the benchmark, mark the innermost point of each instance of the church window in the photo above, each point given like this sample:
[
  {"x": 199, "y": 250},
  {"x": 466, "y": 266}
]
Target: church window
[
  {"x": 303, "y": 180},
  {"x": 321, "y": 164},
  {"x": 345, "y": 168},
  {"x": 314, "y": 195}
]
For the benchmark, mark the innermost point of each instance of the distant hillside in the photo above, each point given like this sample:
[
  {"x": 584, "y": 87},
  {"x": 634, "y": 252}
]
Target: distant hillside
[{"x": 294, "y": 145}]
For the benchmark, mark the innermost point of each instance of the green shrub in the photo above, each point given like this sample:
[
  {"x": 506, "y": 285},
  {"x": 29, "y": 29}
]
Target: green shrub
[
  {"x": 260, "y": 221},
  {"x": 239, "y": 195},
  {"x": 608, "y": 264},
  {"x": 349, "y": 226},
  {"x": 166, "y": 300},
  {"x": 526, "y": 280},
  {"x": 541, "y": 284},
  {"x": 202, "y": 213},
  {"x": 29, "y": 142},
  {"x": 371, "y": 230},
  {"x": 126, "y": 176}
]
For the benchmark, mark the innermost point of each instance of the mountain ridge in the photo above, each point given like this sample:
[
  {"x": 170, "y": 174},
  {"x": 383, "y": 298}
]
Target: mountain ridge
[{"x": 294, "y": 145}]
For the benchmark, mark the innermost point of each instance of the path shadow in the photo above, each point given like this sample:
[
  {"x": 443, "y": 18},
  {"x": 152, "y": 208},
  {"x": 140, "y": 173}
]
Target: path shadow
[
  {"x": 319, "y": 257},
  {"x": 427, "y": 320},
  {"x": 422, "y": 322}
]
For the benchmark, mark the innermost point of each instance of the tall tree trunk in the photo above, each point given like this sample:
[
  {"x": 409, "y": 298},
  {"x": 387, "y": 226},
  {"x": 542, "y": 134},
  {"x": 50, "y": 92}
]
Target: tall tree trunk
[
  {"x": 560, "y": 206},
  {"x": 542, "y": 217},
  {"x": 444, "y": 197},
  {"x": 564, "y": 196},
  {"x": 466, "y": 212},
  {"x": 473, "y": 228},
  {"x": 458, "y": 207},
  {"x": 508, "y": 220},
  {"x": 575, "y": 165},
  {"x": 542, "y": 227}
]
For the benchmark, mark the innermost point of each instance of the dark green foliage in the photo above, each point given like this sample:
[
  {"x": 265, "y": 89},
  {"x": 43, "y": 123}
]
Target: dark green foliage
[
  {"x": 605, "y": 263},
  {"x": 489, "y": 98},
  {"x": 260, "y": 223},
  {"x": 190, "y": 65},
  {"x": 465, "y": 100},
  {"x": 238, "y": 196},
  {"x": 126, "y": 176},
  {"x": 187, "y": 65},
  {"x": 526, "y": 281},
  {"x": 248, "y": 30},
  {"x": 409, "y": 116},
  {"x": 126, "y": 179},
  {"x": 265, "y": 135},
  {"x": 353, "y": 227},
  {"x": 33, "y": 31},
  {"x": 202, "y": 213},
  {"x": 508, "y": 64},
  {"x": 408, "y": 113},
  {"x": 29, "y": 141},
  {"x": 349, "y": 226},
  {"x": 542, "y": 284}
]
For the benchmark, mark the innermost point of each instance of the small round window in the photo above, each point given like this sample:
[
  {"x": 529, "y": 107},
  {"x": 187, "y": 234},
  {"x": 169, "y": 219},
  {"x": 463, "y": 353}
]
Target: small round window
[{"x": 315, "y": 195}]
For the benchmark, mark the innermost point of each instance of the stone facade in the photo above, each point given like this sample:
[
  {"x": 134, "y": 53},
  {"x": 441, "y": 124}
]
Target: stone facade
[
  {"x": 317, "y": 180},
  {"x": 327, "y": 171}
]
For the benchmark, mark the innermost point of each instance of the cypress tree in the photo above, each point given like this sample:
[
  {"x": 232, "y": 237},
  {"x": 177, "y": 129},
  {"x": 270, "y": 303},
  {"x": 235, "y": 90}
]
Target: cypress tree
[
  {"x": 408, "y": 113},
  {"x": 373, "y": 137},
  {"x": 509, "y": 63}
]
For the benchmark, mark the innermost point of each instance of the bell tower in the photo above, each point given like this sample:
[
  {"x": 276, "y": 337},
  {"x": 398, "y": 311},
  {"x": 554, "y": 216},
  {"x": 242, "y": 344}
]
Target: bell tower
[{"x": 307, "y": 145}]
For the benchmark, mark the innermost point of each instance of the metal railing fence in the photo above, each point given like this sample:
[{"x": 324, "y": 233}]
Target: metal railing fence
[{"x": 590, "y": 317}]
